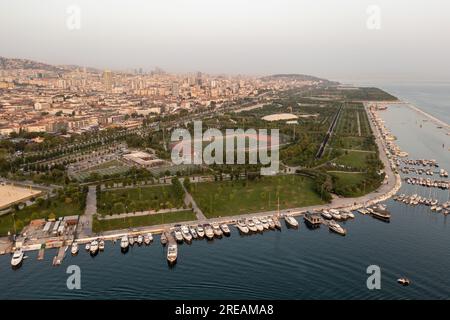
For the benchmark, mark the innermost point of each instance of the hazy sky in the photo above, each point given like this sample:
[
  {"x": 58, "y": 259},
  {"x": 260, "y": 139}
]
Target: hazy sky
[{"x": 328, "y": 38}]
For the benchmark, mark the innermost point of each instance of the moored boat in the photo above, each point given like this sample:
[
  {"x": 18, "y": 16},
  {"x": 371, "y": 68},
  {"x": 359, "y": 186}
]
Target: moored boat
[
  {"x": 193, "y": 232},
  {"x": 258, "y": 224},
  {"x": 74, "y": 248},
  {"x": 336, "y": 227},
  {"x": 172, "y": 253},
  {"x": 242, "y": 227},
  {"x": 124, "y": 243},
  {"x": 291, "y": 221},
  {"x": 225, "y": 229},
  {"x": 200, "y": 231},
  {"x": 17, "y": 259},
  {"x": 209, "y": 232},
  {"x": 216, "y": 229},
  {"x": 101, "y": 245},
  {"x": 251, "y": 225},
  {"x": 163, "y": 239}
]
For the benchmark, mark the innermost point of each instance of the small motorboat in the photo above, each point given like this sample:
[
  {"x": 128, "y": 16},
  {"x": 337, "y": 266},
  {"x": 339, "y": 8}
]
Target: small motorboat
[
  {"x": 101, "y": 245},
  {"x": 335, "y": 227},
  {"x": 186, "y": 234},
  {"x": 242, "y": 227},
  {"x": 131, "y": 241},
  {"x": 271, "y": 223},
  {"x": 217, "y": 231},
  {"x": 277, "y": 223},
  {"x": 258, "y": 224},
  {"x": 291, "y": 221},
  {"x": 94, "y": 248},
  {"x": 193, "y": 232},
  {"x": 209, "y": 232},
  {"x": 124, "y": 244},
  {"x": 251, "y": 225},
  {"x": 225, "y": 229},
  {"x": 87, "y": 246},
  {"x": 404, "y": 281},
  {"x": 200, "y": 231},
  {"x": 326, "y": 215},
  {"x": 140, "y": 240},
  {"x": 264, "y": 223},
  {"x": 178, "y": 235}
]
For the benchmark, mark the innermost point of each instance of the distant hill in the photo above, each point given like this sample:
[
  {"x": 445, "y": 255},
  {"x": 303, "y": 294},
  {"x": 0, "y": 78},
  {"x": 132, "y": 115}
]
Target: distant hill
[
  {"x": 8, "y": 64},
  {"x": 295, "y": 76}
]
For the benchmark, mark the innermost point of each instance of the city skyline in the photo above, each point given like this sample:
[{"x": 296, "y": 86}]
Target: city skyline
[{"x": 321, "y": 38}]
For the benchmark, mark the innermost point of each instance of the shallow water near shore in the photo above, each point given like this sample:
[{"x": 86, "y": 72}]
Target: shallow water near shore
[{"x": 291, "y": 264}]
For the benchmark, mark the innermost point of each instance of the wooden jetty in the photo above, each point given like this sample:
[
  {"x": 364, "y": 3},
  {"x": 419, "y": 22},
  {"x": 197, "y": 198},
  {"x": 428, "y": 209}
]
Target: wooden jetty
[
  {"x": 41, "y": 252},
  {"x": 58, "y": 259}
]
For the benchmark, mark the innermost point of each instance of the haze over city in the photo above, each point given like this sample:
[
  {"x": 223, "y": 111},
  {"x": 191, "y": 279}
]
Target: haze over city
[{"x": 324, "y": 38}]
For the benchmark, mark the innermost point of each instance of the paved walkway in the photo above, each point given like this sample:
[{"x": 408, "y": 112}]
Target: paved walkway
[
  {"x": 85, "y": 223},
  {"x": 189, "y": 200}
]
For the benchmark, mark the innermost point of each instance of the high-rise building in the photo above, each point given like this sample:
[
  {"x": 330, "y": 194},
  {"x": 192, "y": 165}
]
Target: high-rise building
[
  {"x": 107, "y": 80},
  {"x": 175, "y": 89}
]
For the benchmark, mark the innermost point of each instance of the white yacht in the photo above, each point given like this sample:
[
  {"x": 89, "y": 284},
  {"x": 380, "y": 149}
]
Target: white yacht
[
  {"x": 87, "y": 246},
  {"x": 193, "y": 232},
  {"x": 178, "y": 235},
  {"x": 242, "y": 226},
  {"x": 251, "y": 225},
  {"x": 17, "y": 258},
  {"x": 216, "y": 229},
  {"x": 140, "y": 239},
  {"x": 200, "y": 231},
  {"x": 291, "y": 221},
  {"x": 186, "y": 234},
  {"x": 124, "y": 243},
  {"x": 225, "y": 229},
  {"x": 163, "y": 239},
  {"x": 336, "y": 227},
  {"x": 131, "y": 241},
  {"x": 101, "y": 245},
  {"x": 209, "y": 232},
  {"x": 148, "y": 238},
  {"x": 172, "y": 253},
  {"x": 326, "y": 215},
  {"x": 74, "y": 248},
  {"x": 94, "y": 247},
  {"x": 258, "y": 224},
  {"x": 264, "y": 223},
  {"x": 351, "y": 215}
]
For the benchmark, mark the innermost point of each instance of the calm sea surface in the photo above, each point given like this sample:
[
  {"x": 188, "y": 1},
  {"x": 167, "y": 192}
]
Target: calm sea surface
[{"x": 291, "y": 264}]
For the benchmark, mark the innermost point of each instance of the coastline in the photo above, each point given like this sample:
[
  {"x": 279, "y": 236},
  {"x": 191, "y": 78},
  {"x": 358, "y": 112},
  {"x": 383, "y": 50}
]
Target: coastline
[{"x": 389, "y": 187}]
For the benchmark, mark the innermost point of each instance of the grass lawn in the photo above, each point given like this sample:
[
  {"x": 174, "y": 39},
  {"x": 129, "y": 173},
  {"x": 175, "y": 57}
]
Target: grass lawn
[
  {"x": 58, "y": 207},
  {"x": 354, "y": 159},
  {"x": 132, "y": 222},
  {"x": 348, "y": 180},
  {"x": 233, "y": 197},
  {"x": 137, "y": 199}
]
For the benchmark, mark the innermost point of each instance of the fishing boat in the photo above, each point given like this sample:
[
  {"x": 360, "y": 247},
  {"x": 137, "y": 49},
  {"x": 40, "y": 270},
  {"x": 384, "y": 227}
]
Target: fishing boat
[
  {"x": 140, "y": 240},
  {"x": 101, "y": 245},
  {"x": 172, "y": 253},
  {"x": 178, "y": 235},
  {"x": 336, "y": 227},
  {"x": 225, "y": 229},
  {"x": 242, "y": 227},
  {"x": 258, "y": 224},
  {"x": 74, "y": 248},
  {"x": 193, "y": 232},
  {"x": 124, "y": 244},
  {"x": 291, "y": 222},
  {"x": 200, "y": 231},
  {"x": 217, "y": 231},
  {"x": 186, "y": 234},
  {"x": 326, "y": 215},
  {"x": 209, "y": 232},
  {"x": 264, "y": 223},
  {"x": 94, "y": 248},
  {"x": 251, "y": 225},
  {"x": 404, "y": 281},
  {"x": 163, "y": 239},
  {"x": 17, "y": 259}
]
